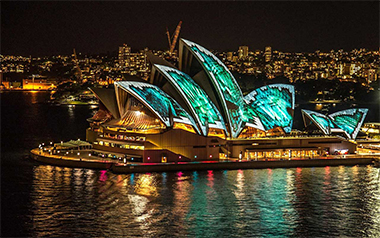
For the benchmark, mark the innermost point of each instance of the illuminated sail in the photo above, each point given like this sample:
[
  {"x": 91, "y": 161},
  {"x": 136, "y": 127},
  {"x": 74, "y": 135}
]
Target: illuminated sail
[
  {"x": 160, "y": 103},
  {"x": 321, "y": 121},
  {"x": 227, "y": 89},
  {"x": 202, "y": 108},
  {"x": 349, "y": 120},
  {"x": 274, "y": 105}
]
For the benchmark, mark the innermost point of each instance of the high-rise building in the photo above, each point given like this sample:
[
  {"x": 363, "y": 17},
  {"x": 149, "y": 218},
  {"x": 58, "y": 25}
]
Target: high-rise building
[
  {"x": 124, "y": 54},
  {"x": 243, "y": 52},
  {"x": 230, "y": 56},
  {"x": 372, "y": 76},
  {"x": 268, "y": 53},
  {"x": 354, "y": 68},
  {"x": 348, "y": 69}
]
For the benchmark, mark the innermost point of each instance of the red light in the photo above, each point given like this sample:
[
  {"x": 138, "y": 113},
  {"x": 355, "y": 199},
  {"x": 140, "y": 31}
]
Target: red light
[
  {"x": 148, "y": 158},
  {"x": 180, "y": 157},
  {"x": 210, "y": 156},
  {"x": 299, "y": 170}
]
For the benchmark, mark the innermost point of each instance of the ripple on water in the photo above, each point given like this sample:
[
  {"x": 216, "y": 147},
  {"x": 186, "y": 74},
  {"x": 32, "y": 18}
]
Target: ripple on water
[{"x": 307, "y": 202}]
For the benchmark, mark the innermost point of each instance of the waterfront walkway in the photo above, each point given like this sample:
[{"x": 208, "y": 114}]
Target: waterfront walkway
[
  {"x": 83, "y": 159},
  {"x": 75, "y": 158}
]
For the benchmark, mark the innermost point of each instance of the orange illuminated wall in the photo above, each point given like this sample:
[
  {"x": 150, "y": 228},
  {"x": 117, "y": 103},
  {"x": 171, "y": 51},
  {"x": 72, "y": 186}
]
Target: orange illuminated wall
[{"x": 38, "y": 84}]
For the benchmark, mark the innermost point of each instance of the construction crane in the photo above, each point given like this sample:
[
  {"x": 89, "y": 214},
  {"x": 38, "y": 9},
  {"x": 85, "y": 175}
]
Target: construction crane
[
  {"x": 173, "y": 40},
  {"x": 168, "y": 34},
  {"x": 77, "y": 65}
]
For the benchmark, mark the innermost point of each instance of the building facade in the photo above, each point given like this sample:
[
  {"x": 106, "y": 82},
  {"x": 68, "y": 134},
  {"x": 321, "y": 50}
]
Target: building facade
[{"x": 198, "y": 112}]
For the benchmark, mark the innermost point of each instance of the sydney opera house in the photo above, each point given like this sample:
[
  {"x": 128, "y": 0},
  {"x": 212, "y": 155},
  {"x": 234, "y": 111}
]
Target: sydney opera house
[{"x": 198, "y": 112}]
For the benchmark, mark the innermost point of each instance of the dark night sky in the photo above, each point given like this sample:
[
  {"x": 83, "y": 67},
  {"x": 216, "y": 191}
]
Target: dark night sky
[{"x": 44, "y": 28}]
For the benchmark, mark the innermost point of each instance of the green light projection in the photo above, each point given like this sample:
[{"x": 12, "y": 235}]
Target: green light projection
[
  {"x": 349, "y": 120},
  {"x": 225, "y": 84},
  {"x": 324, "y": 122},
  {"x": 159, "y": 102},
  {"x": 321, "y": 121},
  {"x": 274, "y": 105},
  {"x": 203, "y": 109}
]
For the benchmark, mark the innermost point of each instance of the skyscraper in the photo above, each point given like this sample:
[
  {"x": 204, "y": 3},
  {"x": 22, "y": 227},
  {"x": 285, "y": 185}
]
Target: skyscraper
[
  {"x": 243, "y": 52},
  {"x": 230, "y": 56},
  {"x": 372, "y": 76},
  {"x": 268, "y": 53},
  {"x": 124, "y": 54}
]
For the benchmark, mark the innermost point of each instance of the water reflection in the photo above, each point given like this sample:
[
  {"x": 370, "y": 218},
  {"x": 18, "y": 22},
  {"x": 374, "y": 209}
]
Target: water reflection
[
  {"x": 103, "y": 176},
  {"x": 70, "y": 110},
  {"x": 210, "y": 179},
  {"x": 306, "y": 202},
  {"x": 146, "y": 185},
  {"x": 34, "y": 97},
  {"x": 239, "y": 193},
  {"x": 44, "y": 200}
]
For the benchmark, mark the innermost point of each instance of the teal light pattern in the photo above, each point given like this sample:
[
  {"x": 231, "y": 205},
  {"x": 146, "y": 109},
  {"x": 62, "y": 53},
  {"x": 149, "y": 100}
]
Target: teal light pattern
[
  {"x": 349, "y": 120},
  {"x": 323, "y": 122},
  {"x": 274, "y": 105},
  {"x": 203, "y": 109},
  {"x": 225, "y": 84},
  {"x": 251, "y": 118},
  {"x": 159, "y": 102}
]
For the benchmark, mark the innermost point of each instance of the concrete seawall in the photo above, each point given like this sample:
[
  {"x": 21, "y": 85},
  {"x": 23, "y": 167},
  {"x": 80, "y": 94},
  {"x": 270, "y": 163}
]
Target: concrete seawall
[
  {"x": 193, "y": 166},
  {"x": 117, "y": 168},
  {"x": 73, "y": 163}
]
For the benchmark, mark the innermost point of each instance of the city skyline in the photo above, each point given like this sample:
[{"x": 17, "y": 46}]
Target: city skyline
[
  {"x": 190, "y": 118},
  {"x": 97, "y": 27}
]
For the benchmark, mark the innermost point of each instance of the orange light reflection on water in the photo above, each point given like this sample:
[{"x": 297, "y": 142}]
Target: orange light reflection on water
[{"x": 146, "y": 185}]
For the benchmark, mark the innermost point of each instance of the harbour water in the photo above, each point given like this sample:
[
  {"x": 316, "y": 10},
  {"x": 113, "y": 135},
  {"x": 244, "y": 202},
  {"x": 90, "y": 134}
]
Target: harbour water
[{"x": 41, "y": 200}]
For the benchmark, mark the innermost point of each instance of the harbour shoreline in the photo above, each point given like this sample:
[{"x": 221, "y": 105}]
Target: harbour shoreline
[{"x": 120, "y": 168}]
